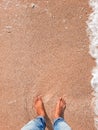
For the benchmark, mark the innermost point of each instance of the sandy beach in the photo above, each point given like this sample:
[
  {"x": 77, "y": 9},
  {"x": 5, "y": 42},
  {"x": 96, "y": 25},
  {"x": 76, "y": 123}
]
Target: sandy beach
[{"x": 44, "y": 51}]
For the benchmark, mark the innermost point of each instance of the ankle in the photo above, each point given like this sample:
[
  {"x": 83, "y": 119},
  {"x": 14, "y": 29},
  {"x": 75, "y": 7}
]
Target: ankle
[{"x": 56, "y": 116}]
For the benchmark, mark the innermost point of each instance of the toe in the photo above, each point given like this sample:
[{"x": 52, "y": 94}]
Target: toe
[
  {"x": 60, "y": 98},
  {"x": 39, "y": 97}
]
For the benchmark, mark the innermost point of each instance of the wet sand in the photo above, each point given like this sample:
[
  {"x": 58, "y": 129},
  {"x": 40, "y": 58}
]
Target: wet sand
[{"x": 44, "y": 50}]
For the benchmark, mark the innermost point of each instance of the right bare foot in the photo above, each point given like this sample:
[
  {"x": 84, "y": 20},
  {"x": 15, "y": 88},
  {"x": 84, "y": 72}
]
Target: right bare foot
[
  {"x": 39, "y": 106},
  {"x": 60, "y": 107}
]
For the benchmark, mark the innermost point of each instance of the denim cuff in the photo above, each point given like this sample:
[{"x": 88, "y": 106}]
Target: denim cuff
[
  {"x": 58, "y": 119},
  {"x": 42, "y": 119}
]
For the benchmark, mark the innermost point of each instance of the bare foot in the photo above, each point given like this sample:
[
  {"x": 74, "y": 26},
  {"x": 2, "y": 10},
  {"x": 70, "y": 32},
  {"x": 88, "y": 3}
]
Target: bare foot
[
  {"x": 39, "y": 106},
  {"x": 60, "y": 107}
]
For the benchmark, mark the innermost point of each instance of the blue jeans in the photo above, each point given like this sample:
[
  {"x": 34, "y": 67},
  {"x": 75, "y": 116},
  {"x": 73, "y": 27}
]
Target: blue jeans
[{"x": 40, "y": 123}]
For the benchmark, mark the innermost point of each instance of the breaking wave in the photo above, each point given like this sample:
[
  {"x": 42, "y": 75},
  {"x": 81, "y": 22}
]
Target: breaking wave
[{"x": 92, "y": 31}]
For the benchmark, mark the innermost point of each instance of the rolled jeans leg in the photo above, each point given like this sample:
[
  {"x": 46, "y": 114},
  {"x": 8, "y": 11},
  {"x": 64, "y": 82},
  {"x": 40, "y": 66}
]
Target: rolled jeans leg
[
  {"x": 37, "y": 124},
  {"x": 60, "y": 124}
]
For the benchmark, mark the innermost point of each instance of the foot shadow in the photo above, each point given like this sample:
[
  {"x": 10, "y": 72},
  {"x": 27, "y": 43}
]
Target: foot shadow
[{"x": 49, "y": 123}]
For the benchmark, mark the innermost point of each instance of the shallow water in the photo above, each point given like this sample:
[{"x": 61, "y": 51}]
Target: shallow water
[{"x": 93, "y": 36}]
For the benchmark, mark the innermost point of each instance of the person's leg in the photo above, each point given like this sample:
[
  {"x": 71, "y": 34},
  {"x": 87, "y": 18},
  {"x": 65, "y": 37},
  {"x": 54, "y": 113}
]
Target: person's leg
[
  {"x": 59, "y": 123},
  {"x": 39, "y": 123}
]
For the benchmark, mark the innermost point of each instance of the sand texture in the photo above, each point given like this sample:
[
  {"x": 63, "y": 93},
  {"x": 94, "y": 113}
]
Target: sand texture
[{"x": 44, "y": 50}]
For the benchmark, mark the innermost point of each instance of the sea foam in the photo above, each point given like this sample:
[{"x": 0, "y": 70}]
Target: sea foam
[{"x": 92, "y": 31}]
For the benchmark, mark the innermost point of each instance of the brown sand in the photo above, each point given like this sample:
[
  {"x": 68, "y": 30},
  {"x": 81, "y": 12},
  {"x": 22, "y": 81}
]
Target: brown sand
[{"x": 44, "y": 50}]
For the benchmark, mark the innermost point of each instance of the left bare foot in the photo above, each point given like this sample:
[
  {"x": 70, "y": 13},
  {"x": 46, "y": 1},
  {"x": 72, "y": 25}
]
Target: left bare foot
[{"x": 39, "y": 106}]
